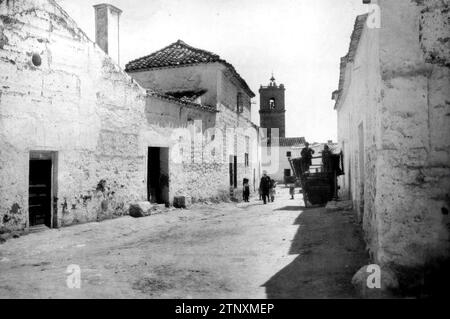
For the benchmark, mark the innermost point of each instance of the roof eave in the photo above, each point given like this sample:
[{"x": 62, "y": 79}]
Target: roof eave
[{"x": 161, "y": 96}]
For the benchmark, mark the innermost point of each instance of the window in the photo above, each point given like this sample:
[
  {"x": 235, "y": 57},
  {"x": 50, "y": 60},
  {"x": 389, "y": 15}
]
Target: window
[
  {"x": 289, "y": 154},
  {"x": 287, "y": 173},
  {"x": 240, "y": 103},
  {"x": 272, "y": 103},
  {"x": 247, "y": 151}
]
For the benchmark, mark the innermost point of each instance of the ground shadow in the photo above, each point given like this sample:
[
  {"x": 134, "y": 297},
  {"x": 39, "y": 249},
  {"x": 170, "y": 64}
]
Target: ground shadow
[
  {"x": 331, "y": 250},
  {"x": 290, "y": 208},
  {"x": 295, "y": 208}
]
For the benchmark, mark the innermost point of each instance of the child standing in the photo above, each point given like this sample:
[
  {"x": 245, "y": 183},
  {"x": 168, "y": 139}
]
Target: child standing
[
  {"x": 292, "y": 191},
  {"x": 272, "y": 191},
  {"x": 246, "y": 193}
]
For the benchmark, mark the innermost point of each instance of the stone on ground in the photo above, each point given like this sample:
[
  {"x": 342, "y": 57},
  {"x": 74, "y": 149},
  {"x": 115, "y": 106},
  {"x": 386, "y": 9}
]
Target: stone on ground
[
  {"x": 140, "y": 209},
  {"x": 182, "y": 202}
]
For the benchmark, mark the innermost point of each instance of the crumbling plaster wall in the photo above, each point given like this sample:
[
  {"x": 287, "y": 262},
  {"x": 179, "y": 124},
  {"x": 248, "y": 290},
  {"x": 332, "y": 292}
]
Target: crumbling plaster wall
[
  {"x": 234, "y": 144},
  {"x": 229, "y": 117},
  {"x": 202, "y": 171},
  {"x": 228, "y": 89},
  {"x": 222, "y": 90},
  {"x": 398, "y": 89},
  {"x": 413, "y": 162},
  {"x": 76, "y": 103},
  {"x": 194, "y": 173},
  {"x": 357, "y": 113},
  {"x": 82, "y": 106}
]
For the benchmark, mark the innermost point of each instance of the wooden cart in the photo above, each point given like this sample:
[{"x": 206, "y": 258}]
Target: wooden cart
[{"x": 321, "y": 186}]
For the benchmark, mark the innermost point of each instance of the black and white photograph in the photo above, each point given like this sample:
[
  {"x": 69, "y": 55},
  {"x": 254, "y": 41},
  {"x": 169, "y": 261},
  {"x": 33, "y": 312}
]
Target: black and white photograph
[{"x": 255, "y": 150}]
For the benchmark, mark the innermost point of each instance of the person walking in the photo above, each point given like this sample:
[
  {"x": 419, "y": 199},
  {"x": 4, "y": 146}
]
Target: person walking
[
  {"x": 326, "y": 159},
  {"x": 307, "y": 154},
  {"x": 264, "y": 186}
]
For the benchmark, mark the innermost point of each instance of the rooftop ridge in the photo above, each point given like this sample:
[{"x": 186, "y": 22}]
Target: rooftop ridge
[{"x": 355, "y": 39}]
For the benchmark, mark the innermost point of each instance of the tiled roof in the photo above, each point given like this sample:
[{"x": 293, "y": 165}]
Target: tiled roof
[
  {"x": 356, "y": 36},
  {"x": 175, "y": 100},
  {"x": 180, "y": 54},
  {"x": 350, "y": 57},
  {"x": 342, "y": 66},
  {"x": 291, "y": 141}
]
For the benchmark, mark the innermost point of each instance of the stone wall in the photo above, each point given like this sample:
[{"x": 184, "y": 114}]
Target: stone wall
[
  {"x": 97, "y": 121},
  {"x": 414, "y": 157},
  {"x": 195, "y": 172},
  {"x": 394, "y": 127},
  {"x": 229, "y": 118},
  {"x": 357, "y": 117},
  {"x": 235, "y": 144},
  {"x": 76, "y": 103},
  {"x": 228, "y": 90},
  {"x": 222, "y": 92}
]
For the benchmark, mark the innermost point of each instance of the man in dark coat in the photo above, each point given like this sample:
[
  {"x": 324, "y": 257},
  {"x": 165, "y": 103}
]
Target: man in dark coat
[
  {"x": 326, "y": 159},
  {"x": 307, "y": 154},
  {"x": 264, "y": 186}
]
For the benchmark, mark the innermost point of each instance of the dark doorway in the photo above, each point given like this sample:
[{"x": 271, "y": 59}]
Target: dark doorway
[
  {"x": 40, "y": 191},
  {"x": 233, "y": 171},
  {"x": 158, "y": 175}
]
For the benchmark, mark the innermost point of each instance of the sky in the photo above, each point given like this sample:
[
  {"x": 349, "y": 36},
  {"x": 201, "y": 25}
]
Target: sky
[{"x": 300, "y": 41}]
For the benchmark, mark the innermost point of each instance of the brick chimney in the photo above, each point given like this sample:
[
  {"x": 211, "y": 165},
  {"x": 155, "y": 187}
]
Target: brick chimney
[{"x": 107, "y": 18}]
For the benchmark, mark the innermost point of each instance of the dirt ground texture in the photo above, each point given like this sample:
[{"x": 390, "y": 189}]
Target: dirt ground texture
[{"x": 228, "y": 250}]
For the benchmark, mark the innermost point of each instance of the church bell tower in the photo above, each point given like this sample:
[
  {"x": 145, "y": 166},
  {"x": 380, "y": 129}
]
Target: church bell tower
[{"x": 272, "y": 109}]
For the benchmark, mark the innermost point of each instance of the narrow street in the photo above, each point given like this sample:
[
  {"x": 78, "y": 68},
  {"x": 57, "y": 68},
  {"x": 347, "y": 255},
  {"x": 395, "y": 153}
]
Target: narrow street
[{"x": 227, "y": 250}]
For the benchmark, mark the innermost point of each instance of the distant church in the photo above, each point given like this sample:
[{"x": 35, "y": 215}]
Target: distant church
[
  {"x": 273, "y": 116},
  {"x": 272, "y": 111}
]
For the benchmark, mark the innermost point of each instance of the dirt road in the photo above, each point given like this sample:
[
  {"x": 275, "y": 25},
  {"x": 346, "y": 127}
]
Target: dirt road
[{"x": 246, "y": 250}]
